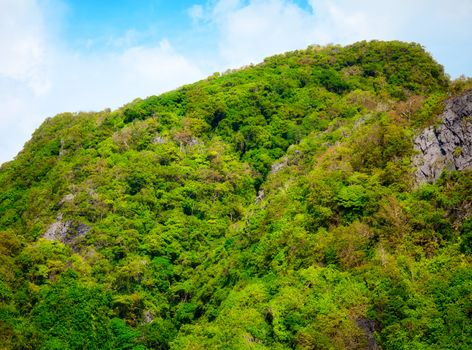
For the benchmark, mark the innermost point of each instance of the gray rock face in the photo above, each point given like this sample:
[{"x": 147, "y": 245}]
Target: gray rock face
[
  {"x": 276, "y": 167},
  {"x": 159, "y": 140},
  {"x": 368, "y": 326},
  {"x": 66, "y": 231},
  {"x": 292, "y": 159},
  {"x": 449, "y": 145}
]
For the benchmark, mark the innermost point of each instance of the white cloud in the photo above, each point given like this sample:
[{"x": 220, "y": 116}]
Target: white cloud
[
  {"x": 252, "y": 29},
  {"x": 97, "y": 81},
  {"x": 348, "y": 20},
  {"x": 250, "y": 32},
  {"x": 223, "y": 7},
  {"x": 22, "y": 43},
  {"x": 338, "y": 24},
  {"x": 160, "y": 65},
  {"x": 195, "y": 12},
  {"x": 442, "y": 26}
]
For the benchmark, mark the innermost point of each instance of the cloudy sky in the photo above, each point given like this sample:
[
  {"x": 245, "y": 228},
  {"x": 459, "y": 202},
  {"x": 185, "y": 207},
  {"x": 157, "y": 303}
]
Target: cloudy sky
[{"x": 82, "y": 55}]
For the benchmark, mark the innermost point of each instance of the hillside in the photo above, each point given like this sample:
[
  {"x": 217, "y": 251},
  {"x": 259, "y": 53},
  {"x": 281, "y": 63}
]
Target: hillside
[{"x": 277, "y": 206}]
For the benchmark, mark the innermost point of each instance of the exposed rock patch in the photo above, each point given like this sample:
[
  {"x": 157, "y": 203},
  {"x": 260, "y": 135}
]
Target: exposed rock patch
[
  {"x": 158, "y": 139},
  {"x": 277, "y": 166},
  {"x": 292, "y": 159},
  {"x": 260, "y": 196},
  {"x": 368, "y": 326},
  {"x": 66, "y": 231},
  {"x": 148, "y": 317},
  {"x": 448, "y": 145},
  {"x": 68, "y": 198}
]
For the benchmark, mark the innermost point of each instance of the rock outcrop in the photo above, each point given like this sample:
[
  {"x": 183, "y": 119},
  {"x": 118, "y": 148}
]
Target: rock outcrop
[
  {"x": 368, "y": 326},
  {"x": 448, "y": 145},
  {"x": 66, "y": 231}
]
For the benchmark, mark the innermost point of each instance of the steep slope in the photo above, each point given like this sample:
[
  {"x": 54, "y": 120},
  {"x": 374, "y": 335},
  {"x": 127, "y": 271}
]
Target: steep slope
[{"x": 273, "y": 206}]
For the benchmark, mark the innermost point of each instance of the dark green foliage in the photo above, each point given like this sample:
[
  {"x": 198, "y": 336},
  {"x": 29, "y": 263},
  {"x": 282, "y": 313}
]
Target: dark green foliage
[
  {"x": 69, "y": 315},
  {"x": 271, "y": 207}
]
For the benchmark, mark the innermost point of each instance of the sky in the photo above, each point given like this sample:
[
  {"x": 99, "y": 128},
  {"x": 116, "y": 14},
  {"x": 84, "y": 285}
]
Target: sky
[{"x": 88, "y": 55}]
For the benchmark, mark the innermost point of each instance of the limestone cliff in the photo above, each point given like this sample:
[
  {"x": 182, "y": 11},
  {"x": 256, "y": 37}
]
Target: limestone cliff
[{"x": 448, "y": 145}]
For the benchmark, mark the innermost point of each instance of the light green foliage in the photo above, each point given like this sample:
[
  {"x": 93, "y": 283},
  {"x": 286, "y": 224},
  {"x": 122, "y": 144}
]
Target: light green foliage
[{"x": 269, "y": 207}]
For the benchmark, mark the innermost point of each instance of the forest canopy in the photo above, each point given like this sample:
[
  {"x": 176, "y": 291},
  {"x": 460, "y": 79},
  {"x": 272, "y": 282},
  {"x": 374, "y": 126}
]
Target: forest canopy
[{"x": 268, "y": 207}]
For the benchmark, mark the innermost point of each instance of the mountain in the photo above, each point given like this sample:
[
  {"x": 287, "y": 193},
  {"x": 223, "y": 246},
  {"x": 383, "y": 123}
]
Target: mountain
[{"x": 318, "y": 200}]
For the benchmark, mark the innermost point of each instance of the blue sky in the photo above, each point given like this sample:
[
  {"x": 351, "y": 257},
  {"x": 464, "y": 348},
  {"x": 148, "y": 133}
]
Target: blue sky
[
  {"x": 81, "y": 55},
  {"x": 85, "y": 20}
]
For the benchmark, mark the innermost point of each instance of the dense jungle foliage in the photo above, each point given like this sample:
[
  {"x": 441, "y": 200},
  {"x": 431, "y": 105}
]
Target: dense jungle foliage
[{"x": 269, "y": 207}]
